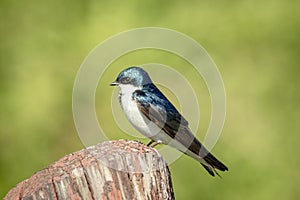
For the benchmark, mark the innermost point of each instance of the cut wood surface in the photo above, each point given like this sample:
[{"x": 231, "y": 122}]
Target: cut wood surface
[{"x": 110, "y": 170}]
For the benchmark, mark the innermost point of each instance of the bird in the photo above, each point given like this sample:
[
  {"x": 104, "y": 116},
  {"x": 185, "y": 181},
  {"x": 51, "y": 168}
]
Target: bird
[{"x": 153, "y": 115}]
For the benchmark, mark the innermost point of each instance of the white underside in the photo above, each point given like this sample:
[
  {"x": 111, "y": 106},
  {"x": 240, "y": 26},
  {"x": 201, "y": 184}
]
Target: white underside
[{"x": 136, "y": 118}]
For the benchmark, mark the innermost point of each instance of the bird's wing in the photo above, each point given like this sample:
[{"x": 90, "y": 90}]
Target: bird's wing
[{"x": 157, "y": 108}]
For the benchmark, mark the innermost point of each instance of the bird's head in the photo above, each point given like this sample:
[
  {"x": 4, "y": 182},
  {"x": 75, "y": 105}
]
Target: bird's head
[{"x": 134, "y": 76}]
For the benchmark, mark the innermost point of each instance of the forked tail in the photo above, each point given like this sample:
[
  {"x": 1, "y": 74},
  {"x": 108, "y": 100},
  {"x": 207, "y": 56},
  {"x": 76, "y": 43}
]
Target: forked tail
[{"x": 212, "y": 164}]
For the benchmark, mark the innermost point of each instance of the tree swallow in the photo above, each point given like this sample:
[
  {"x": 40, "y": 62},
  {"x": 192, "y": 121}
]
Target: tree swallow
[{"x": 152, "y": 114}]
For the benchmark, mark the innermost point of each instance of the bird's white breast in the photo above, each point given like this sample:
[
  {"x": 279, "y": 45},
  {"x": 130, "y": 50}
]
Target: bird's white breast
[{"x": 133, "y": 113}]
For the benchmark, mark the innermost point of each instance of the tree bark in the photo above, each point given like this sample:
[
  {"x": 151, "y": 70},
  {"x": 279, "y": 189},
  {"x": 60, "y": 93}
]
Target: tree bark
[{"x": 110, "y": 170}]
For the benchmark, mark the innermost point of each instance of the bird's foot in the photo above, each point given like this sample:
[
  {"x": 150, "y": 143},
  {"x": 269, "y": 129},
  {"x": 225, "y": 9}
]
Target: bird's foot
[
  {"x": 138, "y": 141},
  {"x": 153, "y": 143}
]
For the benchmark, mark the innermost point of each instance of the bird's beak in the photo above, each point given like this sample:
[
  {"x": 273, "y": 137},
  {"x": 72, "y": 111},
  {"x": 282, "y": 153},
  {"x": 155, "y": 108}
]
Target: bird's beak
[{"x": 114, "y": 84}]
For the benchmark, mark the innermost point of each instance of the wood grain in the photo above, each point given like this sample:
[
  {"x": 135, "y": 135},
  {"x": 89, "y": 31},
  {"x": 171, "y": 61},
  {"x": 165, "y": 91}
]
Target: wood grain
[{"x": 110, "y": 170}]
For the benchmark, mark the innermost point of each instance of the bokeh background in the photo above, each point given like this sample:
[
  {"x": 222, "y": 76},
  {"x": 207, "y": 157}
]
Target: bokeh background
[{"x": 255, "y": 44}]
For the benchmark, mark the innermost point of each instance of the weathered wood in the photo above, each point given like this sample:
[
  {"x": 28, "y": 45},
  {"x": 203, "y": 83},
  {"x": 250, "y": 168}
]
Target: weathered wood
[{"x": 110, "y": 170}]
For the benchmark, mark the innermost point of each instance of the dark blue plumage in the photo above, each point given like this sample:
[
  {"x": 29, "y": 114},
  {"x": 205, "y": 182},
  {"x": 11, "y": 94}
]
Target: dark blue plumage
[{"x": 151, "y": 95}]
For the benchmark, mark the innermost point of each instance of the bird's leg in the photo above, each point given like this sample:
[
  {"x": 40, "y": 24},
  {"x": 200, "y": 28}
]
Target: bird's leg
[
  {"x": 150, "y": 143},
  {"x": 155, "y": 143}
]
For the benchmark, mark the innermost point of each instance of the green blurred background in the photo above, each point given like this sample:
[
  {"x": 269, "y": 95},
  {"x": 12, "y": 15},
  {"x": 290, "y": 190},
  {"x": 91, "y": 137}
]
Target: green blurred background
[{"x": 255, "y": 44}]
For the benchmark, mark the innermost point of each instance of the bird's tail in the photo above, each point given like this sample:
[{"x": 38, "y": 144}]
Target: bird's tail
[
  {"x": 212, "y": 163},
  {"x": 196, "y": 150}
]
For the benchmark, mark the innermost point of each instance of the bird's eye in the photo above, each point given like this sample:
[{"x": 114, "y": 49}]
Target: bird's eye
[{"x": 125, "y": 80}]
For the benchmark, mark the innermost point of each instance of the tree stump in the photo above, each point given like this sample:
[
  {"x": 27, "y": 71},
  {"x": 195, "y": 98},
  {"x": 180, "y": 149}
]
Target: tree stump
[{"x": 109, "y": 170}]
